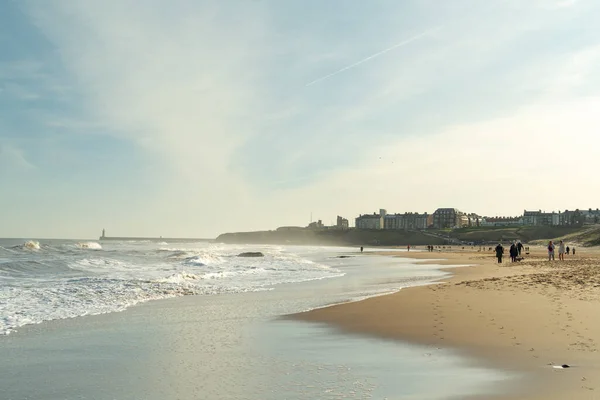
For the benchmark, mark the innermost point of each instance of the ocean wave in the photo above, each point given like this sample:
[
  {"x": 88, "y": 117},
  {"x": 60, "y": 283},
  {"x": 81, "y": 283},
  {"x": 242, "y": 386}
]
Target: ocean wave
[
  {"x": 32, "y": 245},
  {"x": 63, "y": 280},
  {"x": 179, "y": 278},
  {"x": 229, "y": 274},
  {"x": 96, "y": 262},
  {"x": 28, "y": 245},
  {"x": 4, "y": 250},
  {"x": 21, "y": 268},
  {"x": 89, "y": 245},
  {"x": 92, "y": 296},
  {"x": 204, "y": 259}
]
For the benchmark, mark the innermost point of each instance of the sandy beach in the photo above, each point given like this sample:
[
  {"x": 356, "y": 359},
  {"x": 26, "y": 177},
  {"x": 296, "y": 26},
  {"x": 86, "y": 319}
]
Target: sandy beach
[{"x": 527, "y": 317}]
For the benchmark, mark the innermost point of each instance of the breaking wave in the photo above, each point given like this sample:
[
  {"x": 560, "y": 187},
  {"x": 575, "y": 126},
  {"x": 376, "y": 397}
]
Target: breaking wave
[
  {"x": 61, "y": 281},
  {"x": 89, "y": 245},
  {"x": 29, "y": 245}
]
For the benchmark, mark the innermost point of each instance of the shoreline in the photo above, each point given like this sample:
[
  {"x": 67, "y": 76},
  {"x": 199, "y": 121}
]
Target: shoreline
[
  {"x": 229, "y": 346},
  {"x": 521, "y": 317}
]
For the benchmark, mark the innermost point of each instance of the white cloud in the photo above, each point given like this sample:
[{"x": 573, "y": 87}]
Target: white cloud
[
  {"x": 176, "y": 83},
  {"x": 575, "y": 71},
  {"x": 543, "y": 156},
  {"x": 177, "y": 79},
  {"x": 560, "y": 4},
  {"x": 19, "y": 92},
  {"x": 203, "y": 85},
  {"x": 18, "y": 69},
  {"x": 12, "y": 159}
]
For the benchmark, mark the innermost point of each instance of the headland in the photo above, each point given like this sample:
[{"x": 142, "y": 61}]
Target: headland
[{"x": 583, "y": 236}]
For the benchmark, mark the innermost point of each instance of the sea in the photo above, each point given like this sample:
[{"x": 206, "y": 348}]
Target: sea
[{"x": 83, "y": 319}]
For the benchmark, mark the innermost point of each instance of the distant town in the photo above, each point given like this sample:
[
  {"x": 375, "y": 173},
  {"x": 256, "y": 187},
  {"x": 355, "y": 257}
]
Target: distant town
[{"x": 452, "y": 218}]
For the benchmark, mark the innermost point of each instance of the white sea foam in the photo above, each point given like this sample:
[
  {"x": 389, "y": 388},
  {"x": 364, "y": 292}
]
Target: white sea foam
[
  {"x": 204, "y": 259},
  {"x": 54, "y": 283},
  {"x": 31, "y": 245},
  {"x": 89, "y": 245}
]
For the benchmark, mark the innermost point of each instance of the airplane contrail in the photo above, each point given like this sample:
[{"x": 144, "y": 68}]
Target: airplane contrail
[{"x": 364, "y": 60}]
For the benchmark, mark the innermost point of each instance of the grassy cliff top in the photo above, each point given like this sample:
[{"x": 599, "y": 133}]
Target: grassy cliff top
[{"x": 583, "y": 236}]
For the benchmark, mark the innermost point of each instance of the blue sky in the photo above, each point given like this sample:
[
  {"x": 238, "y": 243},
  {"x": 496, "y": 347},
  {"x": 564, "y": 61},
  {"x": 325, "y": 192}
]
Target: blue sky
[{"x": 191, "y": 118}]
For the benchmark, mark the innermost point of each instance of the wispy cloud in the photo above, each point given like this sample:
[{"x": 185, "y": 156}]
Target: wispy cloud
[
  {"x": 372, "y": 56},
  {"x": 19, "y": 92},
  {"x": 201, "y": 101},
  {"x": 522, "y": 160},
  {"x": 169, "y": 81},
  {"x": 562, "y": 4},
  {"x": 12, "y": 159}
]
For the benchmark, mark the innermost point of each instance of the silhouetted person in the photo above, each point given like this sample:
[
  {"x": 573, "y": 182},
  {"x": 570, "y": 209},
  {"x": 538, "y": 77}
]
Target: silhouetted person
[
  {"x": 568, "y": 249},
  {"x": 573, "y": 250},
  {"x": 361, "y": 249},
  {"x": 499, "y": 252},
  {"x": 519, "y": 247},
  {"x": 514, "y": 252}
]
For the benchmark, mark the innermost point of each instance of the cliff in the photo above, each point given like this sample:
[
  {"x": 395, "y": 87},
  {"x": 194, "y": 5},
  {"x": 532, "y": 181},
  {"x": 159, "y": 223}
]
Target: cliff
[
  {"x": 331, "y": 237},
  {"x": 586, "y": 236}
]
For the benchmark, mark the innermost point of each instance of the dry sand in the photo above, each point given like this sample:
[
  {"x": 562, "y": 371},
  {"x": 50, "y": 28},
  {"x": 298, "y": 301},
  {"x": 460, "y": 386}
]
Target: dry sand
[{"x": 524, "y": 316}]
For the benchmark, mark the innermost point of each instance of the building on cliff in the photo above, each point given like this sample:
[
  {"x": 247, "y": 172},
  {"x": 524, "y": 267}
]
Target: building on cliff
[
  {"x": 316, "y": 225},
  {"x": 445, "y": 218},
  {"x": 539, "y": 218},
  {"x": 579, "y": 217},
  {"x": 371, "y": 221},
  {"x": 406, "y": 221},
  {"x": 342, "y": 223},
  {"x": 502, "y": 221}
]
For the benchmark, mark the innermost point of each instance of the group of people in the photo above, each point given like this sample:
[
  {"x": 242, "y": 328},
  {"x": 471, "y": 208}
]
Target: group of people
[
  {"x": 517, "y": 247},
  {"x": 514, "y": 251},
  {"x": 561, "y": 250}
]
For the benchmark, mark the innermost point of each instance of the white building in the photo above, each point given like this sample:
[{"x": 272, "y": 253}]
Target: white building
[
  {"x": 406, "y": 221},
  {"x": 502, "y": 221},
  {"x": 371, "y": 221},
  {"x": 539, "y": 218}
]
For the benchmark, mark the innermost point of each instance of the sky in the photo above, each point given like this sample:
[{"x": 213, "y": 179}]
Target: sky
[{"x": 191, "y": 118}]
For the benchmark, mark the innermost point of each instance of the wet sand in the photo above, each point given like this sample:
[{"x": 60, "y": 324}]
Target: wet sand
[{"x": 525, "y": 317}]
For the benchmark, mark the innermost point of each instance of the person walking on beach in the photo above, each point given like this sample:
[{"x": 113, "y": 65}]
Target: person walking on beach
[
  {"x": 361, "y": 249},
  {"x": 513, "y": 252},
  {"x": 519, "y": 247},
  {"x": 573, "y": 250},
  {"x": 568, "y": 249},
  {"x": 499, "y": 252},
  {"x": 561, "y": 251},
  {"x": 550, "y": 251}
]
